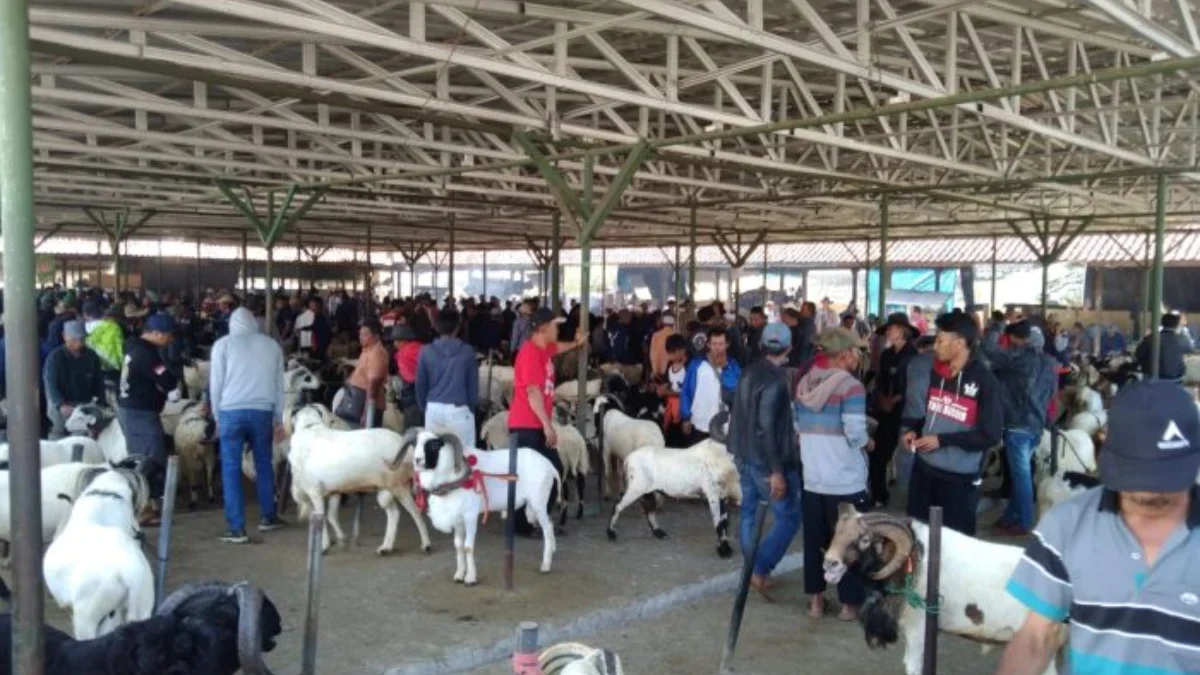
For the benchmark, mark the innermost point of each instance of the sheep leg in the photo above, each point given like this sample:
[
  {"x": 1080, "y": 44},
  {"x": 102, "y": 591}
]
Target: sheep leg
[
  {"x": 716, "y": 507},
  {"x": 548, "y": 542},
  {"x": 388, "y": 503},
  {"x": 629, "y": 498},
  {"x": 650, "y": 508},
  {"x": 460, "y": 559},
  {"x": 580, "y": 482},
  {"x": 470, "y": 527},
  {"x": 562, "y": 518},
  {"x": 208, "y": 466},
  {"x": 914, "y": 641},
  {"x": 404, "y": 496},
  {"x": 335, "y": 501}
]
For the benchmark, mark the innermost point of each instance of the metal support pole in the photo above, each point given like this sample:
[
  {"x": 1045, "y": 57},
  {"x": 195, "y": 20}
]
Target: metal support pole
[
  {"x": 585, "y": 274},
  {"x": 370, "y": 283},
  {"x": 933, "y": 573},
  {"x": 269, "y": 274},
  {"x": 485, "y": 274},
  {"x": 510, "y": 523},
  {"x": 739, "y": 601},
  {"x": 99, "y": 267},
  {"x": 21, "y": 347},
  {"x": 1045, "y": 261},
  {"x": 678, "y": 276},
  {"x": 555, "y": 268},
  {"x": 1156, "y": 275},
  {"x": 308, "y": 658},
  {"x": 854, "y": 287},
  {"x": 804, "y": 284},
  {"x": 159, "y": 275},
  {"x": 766, "y": 288},
  {"x": 245, "y": 263},
  {"x": 603, "y": 282},
  {"x": 692, "y": 256},
  {"x": 995, "y": 254},
  {"x": 450, "y": 279},
  {"x": 200, "y": 273},
  {"x": 170, "y": 489},
  {"x": 884, "y": 272}
]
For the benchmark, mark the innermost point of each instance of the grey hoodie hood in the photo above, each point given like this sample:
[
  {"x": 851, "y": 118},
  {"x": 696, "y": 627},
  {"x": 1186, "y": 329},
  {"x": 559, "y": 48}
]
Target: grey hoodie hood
[{"x": 242, "y": 322}]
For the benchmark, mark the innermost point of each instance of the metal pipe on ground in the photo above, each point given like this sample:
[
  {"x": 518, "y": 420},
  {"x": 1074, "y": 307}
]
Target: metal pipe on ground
[
  {"x": 933, "y": 574},
  {"x": 739, "y": 602},
  {"x": 308, "y": 659},
  {"x": 164, "y": 531},
  {"x": 510, "y": 524}
]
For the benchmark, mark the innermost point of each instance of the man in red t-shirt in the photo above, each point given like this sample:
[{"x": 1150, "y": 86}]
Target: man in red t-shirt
[{"x": 531, "y": 415}]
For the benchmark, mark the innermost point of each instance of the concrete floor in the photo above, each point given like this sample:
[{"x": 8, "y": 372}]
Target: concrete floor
[{"x": 404, "y": 615}]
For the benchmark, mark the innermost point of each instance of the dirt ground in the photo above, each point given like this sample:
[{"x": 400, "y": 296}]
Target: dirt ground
[{"x": 403, "y": 613}]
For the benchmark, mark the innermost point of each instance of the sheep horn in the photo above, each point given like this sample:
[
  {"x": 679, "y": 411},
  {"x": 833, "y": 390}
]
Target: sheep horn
[
  {"x": 408, "y": 440},
  {"x": 902, "y": 539},
  {"x": 183, "y": 593},
  {"x": 719, "y": 427},
  {"x": 250, "y": 602},
  {"x": 456, "y": 447}
]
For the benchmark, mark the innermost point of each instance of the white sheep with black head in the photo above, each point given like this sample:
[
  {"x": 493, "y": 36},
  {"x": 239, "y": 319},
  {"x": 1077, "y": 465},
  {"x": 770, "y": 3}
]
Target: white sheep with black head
[
  {"x": 618, "y": 436},
  {"x": 95, "y": 567},
  {"x": 887, "y": 554},
  {"x": 464, "y": 485}
]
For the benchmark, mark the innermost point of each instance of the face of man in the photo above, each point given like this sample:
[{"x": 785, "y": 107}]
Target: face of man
[
  {"x": 73, "y": 345},
  {"x": 547, "y": 332},
  {"x": 1152, "y": 502},
  {"x": 896, "y": 335},
  {"x": 159, "y": 339},
  {"x": 847, "y": 360},
  {"x": 365, "y": 337},
  {"x": 790, "y": 321},
  {"x": 758, "y": 320},
  {"x": 717, "y": 347},
  {"x": 948, "y": 346}
]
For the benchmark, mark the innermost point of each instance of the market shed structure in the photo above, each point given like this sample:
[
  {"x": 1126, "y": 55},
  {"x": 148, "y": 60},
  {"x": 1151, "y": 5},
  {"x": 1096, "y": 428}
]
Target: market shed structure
[{"x": 429, "y": 127}]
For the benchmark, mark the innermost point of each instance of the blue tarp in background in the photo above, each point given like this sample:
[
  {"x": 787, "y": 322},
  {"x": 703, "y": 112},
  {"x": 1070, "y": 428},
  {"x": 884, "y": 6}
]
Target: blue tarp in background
[{"x": 914, "y": 280}]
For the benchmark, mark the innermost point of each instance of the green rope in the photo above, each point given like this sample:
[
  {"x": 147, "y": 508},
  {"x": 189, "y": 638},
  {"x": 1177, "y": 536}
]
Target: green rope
[{"x": 912, "y": 598}]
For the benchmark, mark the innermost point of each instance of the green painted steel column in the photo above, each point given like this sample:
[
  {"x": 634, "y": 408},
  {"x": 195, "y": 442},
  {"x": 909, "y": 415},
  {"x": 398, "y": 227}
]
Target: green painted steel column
[
  {"x": 555, "y": 266},
  {"x": 766, "y": 287},
  {"x": 603, "y": 280},
  {"x": 450, "y": 279},
  {"x": 692, "y": 258},
  {"x": 995, "y": 254},
  {"x": 1045, "y": 261},
  {"x": 269, "y": 273},
  {"x": 245, "y": 264},
  {"x": 884, "y": 272},
  {"x": 585, "y": 278},
  {"x": 1156, "y": 275},
  {"x": 485, "y": 274},
  {"x": 678, "y": 276},
  {"x": 21, "y": 347}
]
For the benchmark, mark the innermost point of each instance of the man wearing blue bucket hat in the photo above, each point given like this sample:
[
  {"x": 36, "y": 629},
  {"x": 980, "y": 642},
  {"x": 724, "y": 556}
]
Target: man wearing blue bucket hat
[{"x": 1118, "y": 562}]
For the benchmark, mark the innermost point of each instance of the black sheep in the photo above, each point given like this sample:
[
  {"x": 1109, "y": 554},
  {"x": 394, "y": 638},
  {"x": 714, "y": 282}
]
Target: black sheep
[{"x": 201, "y": 629}]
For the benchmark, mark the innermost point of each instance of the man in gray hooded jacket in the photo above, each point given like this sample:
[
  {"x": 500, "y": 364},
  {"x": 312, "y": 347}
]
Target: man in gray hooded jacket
[{"x": 246, "y": 386}]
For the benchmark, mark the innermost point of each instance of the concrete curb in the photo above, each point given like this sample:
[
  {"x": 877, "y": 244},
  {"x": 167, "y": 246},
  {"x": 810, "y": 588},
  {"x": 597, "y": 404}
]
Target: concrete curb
[{"x": 471, "y": 657}]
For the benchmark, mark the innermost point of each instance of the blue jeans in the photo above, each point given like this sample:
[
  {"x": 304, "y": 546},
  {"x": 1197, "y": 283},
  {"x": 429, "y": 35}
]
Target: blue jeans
[
  {"x": 1018, "y": 448},
  {"x": 237, "y": 428},
  {"x": 755, "y": 488}
]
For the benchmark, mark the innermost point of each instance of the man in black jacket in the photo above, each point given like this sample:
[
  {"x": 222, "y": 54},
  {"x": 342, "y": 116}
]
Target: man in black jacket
[
  {"x": 145, "y": 381},
  {"x": 1170, "y": 351},
  {"x": 888, "y": 399},
  {"x": 763, "y": 442},
  {"x": 73, "y": 375}
]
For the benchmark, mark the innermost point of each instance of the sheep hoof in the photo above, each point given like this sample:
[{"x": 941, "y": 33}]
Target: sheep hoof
[
  {"x": 579, "y": 513},
  {"x": 545, "y": 570},
  {"x": 383, "y": 552},
  {"x": 612, "y": 534},
  {"x": 659, "y": 534},
  {"x": 470, "y": 584},
  {"x": 427, "y": 548},
  {"x": 724, "y": 550}
]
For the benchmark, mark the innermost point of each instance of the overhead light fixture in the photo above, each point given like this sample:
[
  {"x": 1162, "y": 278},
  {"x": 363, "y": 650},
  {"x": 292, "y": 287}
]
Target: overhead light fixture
[
  {"x": 900, "y": 97},
  {"x": 1159, "y": 56}
]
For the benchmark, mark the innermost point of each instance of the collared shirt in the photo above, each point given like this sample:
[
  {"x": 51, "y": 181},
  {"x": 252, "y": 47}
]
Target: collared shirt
[{"x": 1086, "y": 568}]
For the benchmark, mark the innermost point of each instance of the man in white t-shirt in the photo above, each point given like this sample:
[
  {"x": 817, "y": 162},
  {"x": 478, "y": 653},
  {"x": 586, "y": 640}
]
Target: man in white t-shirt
[{"x": 710, "y": 378}]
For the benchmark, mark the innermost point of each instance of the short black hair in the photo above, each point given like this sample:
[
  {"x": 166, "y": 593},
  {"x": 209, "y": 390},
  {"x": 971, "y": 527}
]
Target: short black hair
[
  {"x": 1170, "y": 321},
  {"x": 792, "y": 313},
  {"x": 1020, "y": 330},
  {"x": 960, "y": 324},
  {"x": 997, "y": 315},
  {"x": 676, "y": 342},
  {"x": 716, "y": 331},
  {"x": 447, "y": 322},
  {"x": 374, "y": 326},
  {"x": 757, "y": 309},
  {"x": 705, "y": 314}
]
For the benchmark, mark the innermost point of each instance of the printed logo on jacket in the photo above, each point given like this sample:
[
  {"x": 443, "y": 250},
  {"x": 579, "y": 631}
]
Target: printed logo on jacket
[{"x": 963, "y": 409}]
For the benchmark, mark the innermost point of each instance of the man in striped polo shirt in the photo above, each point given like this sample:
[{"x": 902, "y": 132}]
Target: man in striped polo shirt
[{"x": 1119, "y": 563}]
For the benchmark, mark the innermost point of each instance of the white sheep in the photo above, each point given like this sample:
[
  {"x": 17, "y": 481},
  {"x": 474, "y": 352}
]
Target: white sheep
[
  {"x": 197, "y": 460},
  {"x": 705, "y": 469},
  {"x": 572, "y": 658},
  {"x": 64, "y": 450},
  {"x": 195, "y": 378},
  {"x": 620, "y": 435},
  {"x": 1076, "y": 457},
  {"x": 973, "y": 603},
  {"x": 501, "y": 386},
  {"x": 60, "y": 479},
  {"x": 95, "y": 567},
  {"x": 102, "y": 425},
  {"x": 297, "y": 379},
  {"x": 572, "y": 451},
  {"x": 326, "y": 462},
  {"x": 569, "y": 391},
  {"x": 462, "y": 486}
]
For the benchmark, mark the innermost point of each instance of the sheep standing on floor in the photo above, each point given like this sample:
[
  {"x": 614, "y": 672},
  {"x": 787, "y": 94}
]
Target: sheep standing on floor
[
  {"x": 572, "y": 451},
  {"x": 888, "y": 553},
  {"x": 200, "y": 629},
  {"x": 95, "y": 567},
  {"x": 100, "y": 424},
  {"x": 197, "y": 460},
  {"x": 326, "y": 462},
  {"x": 1076, "y": 460},
  {"x": 705, "y": 469},
  {"x": 65, "y": 450},
  {"x": 463, "y": 486},
  {"x": 619, "y": 435},
  {"x": 572, "y": 658},
  {"x": 60, "y": 480}
]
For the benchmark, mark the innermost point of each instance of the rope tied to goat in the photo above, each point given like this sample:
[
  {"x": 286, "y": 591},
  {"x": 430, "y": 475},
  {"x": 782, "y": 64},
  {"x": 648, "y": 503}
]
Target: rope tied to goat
[
  {"x": 472, "y": 479},
  {"x": 909, "y": 592}
]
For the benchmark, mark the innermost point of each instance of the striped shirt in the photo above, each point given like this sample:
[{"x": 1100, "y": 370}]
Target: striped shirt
[{"x": 1086, "y": 568}]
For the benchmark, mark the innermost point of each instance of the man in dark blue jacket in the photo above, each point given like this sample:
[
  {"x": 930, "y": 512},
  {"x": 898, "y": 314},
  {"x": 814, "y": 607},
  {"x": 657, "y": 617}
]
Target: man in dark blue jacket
[
  {"x": 73, "y": 375},
  {"x": 448, "y": 382},
  {"x": 1027, "y": 386}
]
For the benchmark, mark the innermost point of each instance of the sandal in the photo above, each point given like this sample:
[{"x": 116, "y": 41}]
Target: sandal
[
  {"x": 816, "y": 608},
  {"x": 763, "y": 586}
]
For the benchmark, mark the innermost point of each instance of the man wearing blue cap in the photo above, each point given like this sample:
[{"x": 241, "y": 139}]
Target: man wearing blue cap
[
  {"x": 763, "y": 442},
  {"x": 1118, "y": 562},
  {"x": 145, "y": 381}
]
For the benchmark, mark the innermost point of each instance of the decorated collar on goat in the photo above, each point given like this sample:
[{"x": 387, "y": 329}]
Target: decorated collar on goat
[{"x": 471, "y": 479}]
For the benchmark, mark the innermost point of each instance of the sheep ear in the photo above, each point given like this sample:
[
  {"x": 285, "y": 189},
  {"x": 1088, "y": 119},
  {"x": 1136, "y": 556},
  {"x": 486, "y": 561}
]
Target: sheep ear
[{"x": 456, "y": 446}]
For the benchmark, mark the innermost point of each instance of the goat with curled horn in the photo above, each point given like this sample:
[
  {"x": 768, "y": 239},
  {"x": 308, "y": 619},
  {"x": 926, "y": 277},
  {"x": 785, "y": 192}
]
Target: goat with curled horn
[
  {"x": 888, "y": 555},
  {"x": 209, "y": 628}
]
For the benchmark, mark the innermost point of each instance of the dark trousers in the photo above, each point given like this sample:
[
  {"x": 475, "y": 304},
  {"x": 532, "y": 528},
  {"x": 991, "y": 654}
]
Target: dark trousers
[
  {"x": 887, "y": 436},
  {"x": 820, "y": 515},
  {"x": 958, "y": 497},
  {"x": 535, "y": 439}
]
